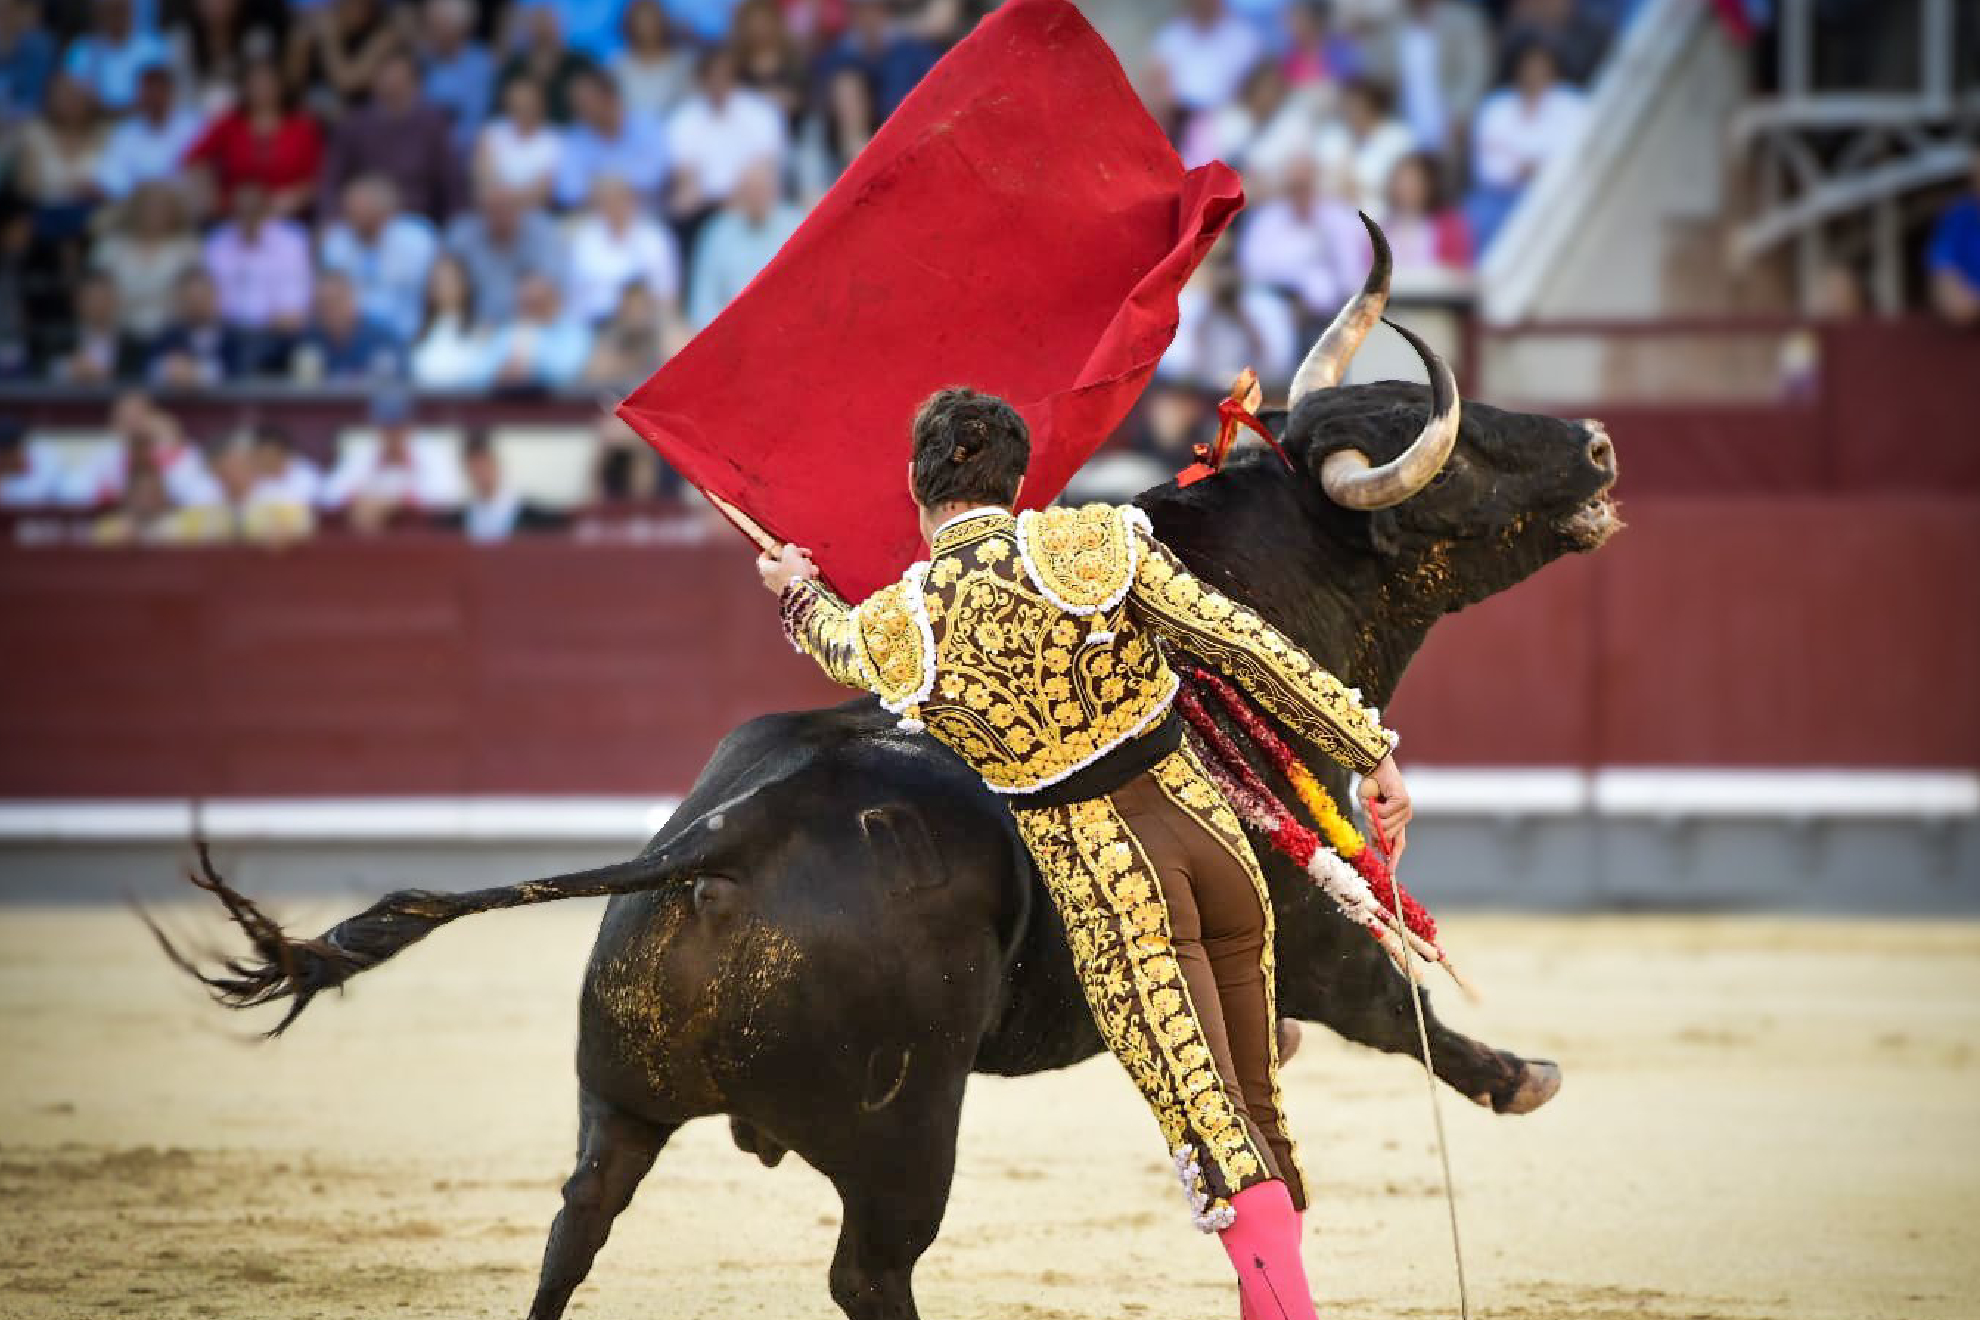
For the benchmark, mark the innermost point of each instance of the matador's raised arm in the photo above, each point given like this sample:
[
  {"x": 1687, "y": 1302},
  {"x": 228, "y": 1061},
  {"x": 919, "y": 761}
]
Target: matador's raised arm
[
  {"x": 822, "y": 626},
  {"x": 1197, "y": 618}
]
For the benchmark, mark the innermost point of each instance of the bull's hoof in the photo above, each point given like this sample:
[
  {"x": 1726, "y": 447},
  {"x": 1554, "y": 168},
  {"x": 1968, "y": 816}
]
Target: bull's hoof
[
  {"x": 1289, "y": 1038},
  {"x": 752, "y": 1140},
  {"x": 1539, "y": 1082}
]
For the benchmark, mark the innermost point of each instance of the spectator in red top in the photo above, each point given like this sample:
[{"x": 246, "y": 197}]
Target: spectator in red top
[{"x": 265, "y": 141}]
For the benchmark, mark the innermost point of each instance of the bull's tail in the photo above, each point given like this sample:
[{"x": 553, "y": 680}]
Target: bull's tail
[{"x": 299, "y": 970}]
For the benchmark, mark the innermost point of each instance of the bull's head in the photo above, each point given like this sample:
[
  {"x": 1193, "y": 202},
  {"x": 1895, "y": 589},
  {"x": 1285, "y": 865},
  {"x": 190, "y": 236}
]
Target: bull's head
[
  {"x": 1472, "y": 498},
  {"x": 1406, "y": 504}
]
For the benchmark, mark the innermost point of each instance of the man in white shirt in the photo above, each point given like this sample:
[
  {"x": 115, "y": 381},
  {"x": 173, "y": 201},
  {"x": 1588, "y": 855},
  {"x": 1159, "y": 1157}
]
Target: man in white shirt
[
  {"x": 613, "y": 245},
  {"x": 151, "y": 441},
  {"x": 150, "y": 144},
  {"x": 386, "y": 253},
  {"x": 714, "y": 135},
  {"x": 397, "y": 476},
  {"x": 1223, "y": 326},
  {"x": 30, "y": 470},
  {"x": 1520, "y": 129},
  {"x": 1437, "y": 54},
  {"x": 1206, "y": 53}
]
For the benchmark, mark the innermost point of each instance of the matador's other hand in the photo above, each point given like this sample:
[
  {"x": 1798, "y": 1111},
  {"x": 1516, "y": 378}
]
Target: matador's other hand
[
  {"x": 791, "y": 563},
  {"x": 1385, "y": 796}
]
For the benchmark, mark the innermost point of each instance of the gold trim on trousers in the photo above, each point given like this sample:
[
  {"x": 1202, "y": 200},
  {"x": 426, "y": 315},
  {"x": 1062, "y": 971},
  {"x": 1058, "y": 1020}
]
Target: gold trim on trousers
[{"x": 1170, "y": 925}]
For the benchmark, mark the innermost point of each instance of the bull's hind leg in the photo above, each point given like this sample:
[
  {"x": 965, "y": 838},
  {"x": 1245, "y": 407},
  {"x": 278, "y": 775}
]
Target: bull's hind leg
[
  {"x": 614, "y": 1152},
  {"x": 895, "y": 1189}
]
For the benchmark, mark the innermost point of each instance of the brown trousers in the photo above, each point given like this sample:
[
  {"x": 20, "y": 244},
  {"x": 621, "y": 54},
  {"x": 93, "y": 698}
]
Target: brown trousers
[{"x": 1170, "y": 925}]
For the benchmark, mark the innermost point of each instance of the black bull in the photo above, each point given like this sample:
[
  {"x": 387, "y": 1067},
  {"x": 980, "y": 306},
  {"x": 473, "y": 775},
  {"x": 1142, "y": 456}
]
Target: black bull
[{"x": 840, "y": 924}]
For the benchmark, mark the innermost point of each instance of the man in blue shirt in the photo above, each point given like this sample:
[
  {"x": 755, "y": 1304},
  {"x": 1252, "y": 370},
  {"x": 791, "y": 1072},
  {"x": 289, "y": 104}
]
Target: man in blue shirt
[
  {"x": 460, "y": 73},
  {"x": 27, "y": 57},
  {"x": 116, "y": 51},
  {"x": 893, "y": 61},
  {"x": 341, "y": 342},
  {"x": 1954, "y": 257},
  {"x": 739, "y": 241},
  {"x": 607, "y": 139}
]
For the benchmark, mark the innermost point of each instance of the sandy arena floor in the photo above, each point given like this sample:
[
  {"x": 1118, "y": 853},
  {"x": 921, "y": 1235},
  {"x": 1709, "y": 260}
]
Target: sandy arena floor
[{"x": 1761, "y": 1119}]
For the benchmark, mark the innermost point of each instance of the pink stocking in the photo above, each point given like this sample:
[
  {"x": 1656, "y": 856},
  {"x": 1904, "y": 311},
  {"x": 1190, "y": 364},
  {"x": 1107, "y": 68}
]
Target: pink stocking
[{"x": 1263, "y": 1244}]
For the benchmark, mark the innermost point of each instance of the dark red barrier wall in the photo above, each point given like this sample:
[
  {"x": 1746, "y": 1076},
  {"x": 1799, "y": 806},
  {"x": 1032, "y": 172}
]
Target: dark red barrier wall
[{"x": 1757, "y": 632}]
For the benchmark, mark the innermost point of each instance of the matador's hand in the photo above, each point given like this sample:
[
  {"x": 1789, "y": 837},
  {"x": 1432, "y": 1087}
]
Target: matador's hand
[
  {"x": 1385, "y": 797},
  {"x": 790, "y": 564}
]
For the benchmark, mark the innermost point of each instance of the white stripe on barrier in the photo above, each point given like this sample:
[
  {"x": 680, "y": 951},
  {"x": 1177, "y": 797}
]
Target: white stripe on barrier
[{"x": 1612, "y": 793}]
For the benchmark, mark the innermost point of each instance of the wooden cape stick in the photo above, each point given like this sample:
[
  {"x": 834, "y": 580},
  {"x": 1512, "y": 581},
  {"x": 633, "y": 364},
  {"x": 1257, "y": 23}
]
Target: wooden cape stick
[{"x": 745, "y": 524}]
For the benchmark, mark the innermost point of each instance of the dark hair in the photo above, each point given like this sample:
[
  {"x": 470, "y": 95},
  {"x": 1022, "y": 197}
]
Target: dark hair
[{"x": 968, "y": 446}]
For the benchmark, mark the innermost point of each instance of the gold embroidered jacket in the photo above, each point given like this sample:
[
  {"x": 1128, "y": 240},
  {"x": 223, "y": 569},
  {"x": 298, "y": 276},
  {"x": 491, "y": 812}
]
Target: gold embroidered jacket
[{"x": 1031, "y": 645}]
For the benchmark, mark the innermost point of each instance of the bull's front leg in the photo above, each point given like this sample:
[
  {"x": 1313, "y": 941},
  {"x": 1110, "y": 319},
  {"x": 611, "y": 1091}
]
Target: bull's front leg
[{"x": 1332, "y": 973}]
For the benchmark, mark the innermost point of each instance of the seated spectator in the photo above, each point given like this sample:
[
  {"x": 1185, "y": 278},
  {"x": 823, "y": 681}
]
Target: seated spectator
[
  {"x": 1205, "y": 53},
  {"x": 198, "y": 347},
  {"x": 145, "y": 252},
  {"x": 1258, "y": 134},
  {"x": 1953, "y": 259},
  {"x": 97, "y": 348},
  {"x": 739, "y": 241},
  {"x": 460, "y": 72},
  {"x": 1437, "y": 54},
  {"x": 1318, "y": 56},
  {"x": 151, "y": 444},
  {"x": 1578, "y": 36},
  {"x": 336, "y": 46},
  {"x": 260, "y": 264},
  {"x": 374, "y": 485},
  {"x": 245, "y": 508},
  {"x": 539, "y": 347},
  {"x": 27, "y": 60},
  {"x": 614, "y": 245},
  {"x": 626, "y": 470},
  {"x": 1426, "y": 236},
  {"x": 521, "y": 152},
  {"x": 540, "y": 54},
  {"x": 18, "y": 274},
  {"x": 451, "y": 352},
  {"x": 892, "y": 60},
  {"x": 281, "y": 475},
  {"x": 109, "y": 58},
  {"x": 706, "y": 21},
  {"x": 836, "y": 132},
  {"x": 59, "y": 161},
  {"x": 1520, "y": 128},
  {"x": 653, "y": 70},
  {"x": 769, "y": 60},
  {"x": 607, "y": 140},
  {"x": 631, "y": 343},
  {"x": 142, "y": 516},
  {"x": 1224, "y": 326},
  {"x": 385, "y": 252},
  {"x": 500, "y": 242},
  {"x": 1359, "y": 150},
  {"x": 341, "y": 343},
  {"x": 263, "y": 141},
  {"x": 399, "y": 137},
  {"x": 151, "y": 142},
  {"x": 219, "y": 37},
  {"x": 715, "y": 133},
  {"x": 1305, "y": 243},
  {"x": 31, "y": 472},
  {"x": 493, "y": 511}
]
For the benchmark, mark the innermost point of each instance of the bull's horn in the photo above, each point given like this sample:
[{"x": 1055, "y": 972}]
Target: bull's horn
[
  {"x": 1328, "y": 359},
  {"x": 1349, "y": 480}
]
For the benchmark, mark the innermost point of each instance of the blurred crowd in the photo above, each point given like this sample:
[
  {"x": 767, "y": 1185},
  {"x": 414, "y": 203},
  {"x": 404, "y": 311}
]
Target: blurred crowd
[
  {"x": 474, "y": 195},
  {"x": 553, "y": 195}
]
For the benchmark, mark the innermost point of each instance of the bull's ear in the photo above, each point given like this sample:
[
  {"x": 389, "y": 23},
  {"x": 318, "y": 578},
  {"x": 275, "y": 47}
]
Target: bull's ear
[{"x": 904, "y": 855}]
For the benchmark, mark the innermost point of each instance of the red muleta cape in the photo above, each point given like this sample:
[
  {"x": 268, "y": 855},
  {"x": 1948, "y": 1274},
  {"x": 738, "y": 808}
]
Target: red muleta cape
[{"x": 1019, "y": 225}]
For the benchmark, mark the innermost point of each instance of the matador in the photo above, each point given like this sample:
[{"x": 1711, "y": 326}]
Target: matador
[{"x": 1037, "y": 647}]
